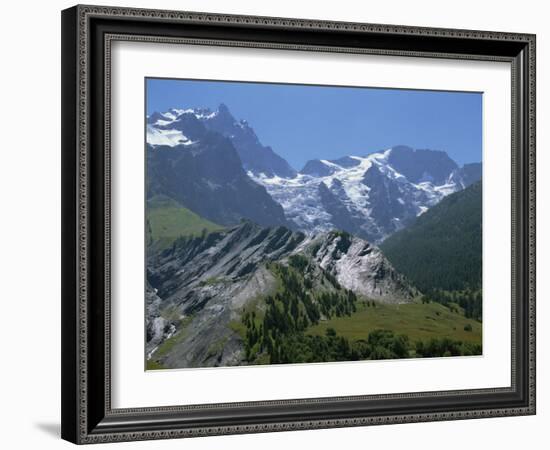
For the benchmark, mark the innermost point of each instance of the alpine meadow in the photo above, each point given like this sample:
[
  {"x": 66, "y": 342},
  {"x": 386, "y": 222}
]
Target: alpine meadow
[{"x": 298, "y": 224}]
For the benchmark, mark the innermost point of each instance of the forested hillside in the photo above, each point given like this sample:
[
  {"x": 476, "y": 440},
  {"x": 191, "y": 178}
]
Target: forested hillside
[{"x": 442, "y": 248}]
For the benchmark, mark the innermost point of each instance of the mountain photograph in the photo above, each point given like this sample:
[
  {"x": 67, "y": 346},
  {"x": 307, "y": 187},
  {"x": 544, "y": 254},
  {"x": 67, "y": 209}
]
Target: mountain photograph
[{"x": 292, "y": 224}]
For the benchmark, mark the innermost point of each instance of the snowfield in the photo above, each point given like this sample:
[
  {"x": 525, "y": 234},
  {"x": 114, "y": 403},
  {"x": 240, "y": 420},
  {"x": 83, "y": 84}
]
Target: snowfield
[{"x": 302, "y": 203}]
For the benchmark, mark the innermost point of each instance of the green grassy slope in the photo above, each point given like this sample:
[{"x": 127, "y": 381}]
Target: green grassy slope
[
  {"x": 167, "y": 220},
  {"x": 442, "y": 248},
  {"x": 419, "y": 321}
]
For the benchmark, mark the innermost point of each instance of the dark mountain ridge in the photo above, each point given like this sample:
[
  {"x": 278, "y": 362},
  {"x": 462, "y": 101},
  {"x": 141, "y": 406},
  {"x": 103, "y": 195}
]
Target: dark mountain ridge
[{"x": 207, "y": 177}]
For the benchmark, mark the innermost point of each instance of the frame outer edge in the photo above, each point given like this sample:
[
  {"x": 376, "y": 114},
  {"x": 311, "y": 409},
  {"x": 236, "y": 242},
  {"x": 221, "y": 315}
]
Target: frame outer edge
[
  {"x": 532, "y": 283},
  {"x": 297, "y": 23},
  {"x": 75, "y": 185},
  {"x": 69, "y": 263}
]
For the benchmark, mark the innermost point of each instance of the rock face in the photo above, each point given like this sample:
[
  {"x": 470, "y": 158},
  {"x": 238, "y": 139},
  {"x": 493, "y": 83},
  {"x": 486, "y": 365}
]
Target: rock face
[
  {"x": 210, "y": 279},
  {"x": 157, "y": 327},
  {"x": 361, "y": 267},
  {"x": 421, "y": 165},
  {"x": 466, "y": 175},
  {"x": 256, "y": 158},
  {"x": 206, "y": 176},
  {"x": 203, "y": 284}
]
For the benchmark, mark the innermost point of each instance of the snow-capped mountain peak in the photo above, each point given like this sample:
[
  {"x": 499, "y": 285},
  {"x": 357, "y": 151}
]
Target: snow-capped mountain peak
[
  {"x": 371, "y": 195},
  {"x": 366, "y": 195},
  {"x": 167, "y": 118},
  {"x": 162, "y": 127}
]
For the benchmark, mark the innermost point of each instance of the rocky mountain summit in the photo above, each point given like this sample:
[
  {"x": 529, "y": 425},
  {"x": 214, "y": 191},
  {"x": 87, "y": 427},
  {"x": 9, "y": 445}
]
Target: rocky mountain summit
[{"x": 179, "y": 126}]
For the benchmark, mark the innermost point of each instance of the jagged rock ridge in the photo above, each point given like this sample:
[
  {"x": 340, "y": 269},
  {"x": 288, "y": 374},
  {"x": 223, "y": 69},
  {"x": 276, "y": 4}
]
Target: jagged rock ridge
[{"x": 210, "y": 279}]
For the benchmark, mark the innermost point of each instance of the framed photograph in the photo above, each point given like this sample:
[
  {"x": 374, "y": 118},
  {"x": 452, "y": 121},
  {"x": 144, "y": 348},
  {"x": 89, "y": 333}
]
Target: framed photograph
[{"x": 279, "y": 224}]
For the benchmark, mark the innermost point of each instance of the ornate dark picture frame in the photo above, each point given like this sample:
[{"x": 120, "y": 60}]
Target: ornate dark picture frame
[{"x": 87, "y": 34}]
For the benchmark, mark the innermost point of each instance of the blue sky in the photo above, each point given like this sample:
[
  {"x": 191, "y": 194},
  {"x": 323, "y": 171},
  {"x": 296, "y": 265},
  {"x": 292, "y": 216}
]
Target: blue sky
[{"x": 320, "y": 122}]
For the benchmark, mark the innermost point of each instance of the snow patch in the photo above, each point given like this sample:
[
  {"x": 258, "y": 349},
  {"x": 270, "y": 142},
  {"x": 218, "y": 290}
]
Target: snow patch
[
  {"x": 422, "y": 210},
  {"x": 170, "y": 138}
]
